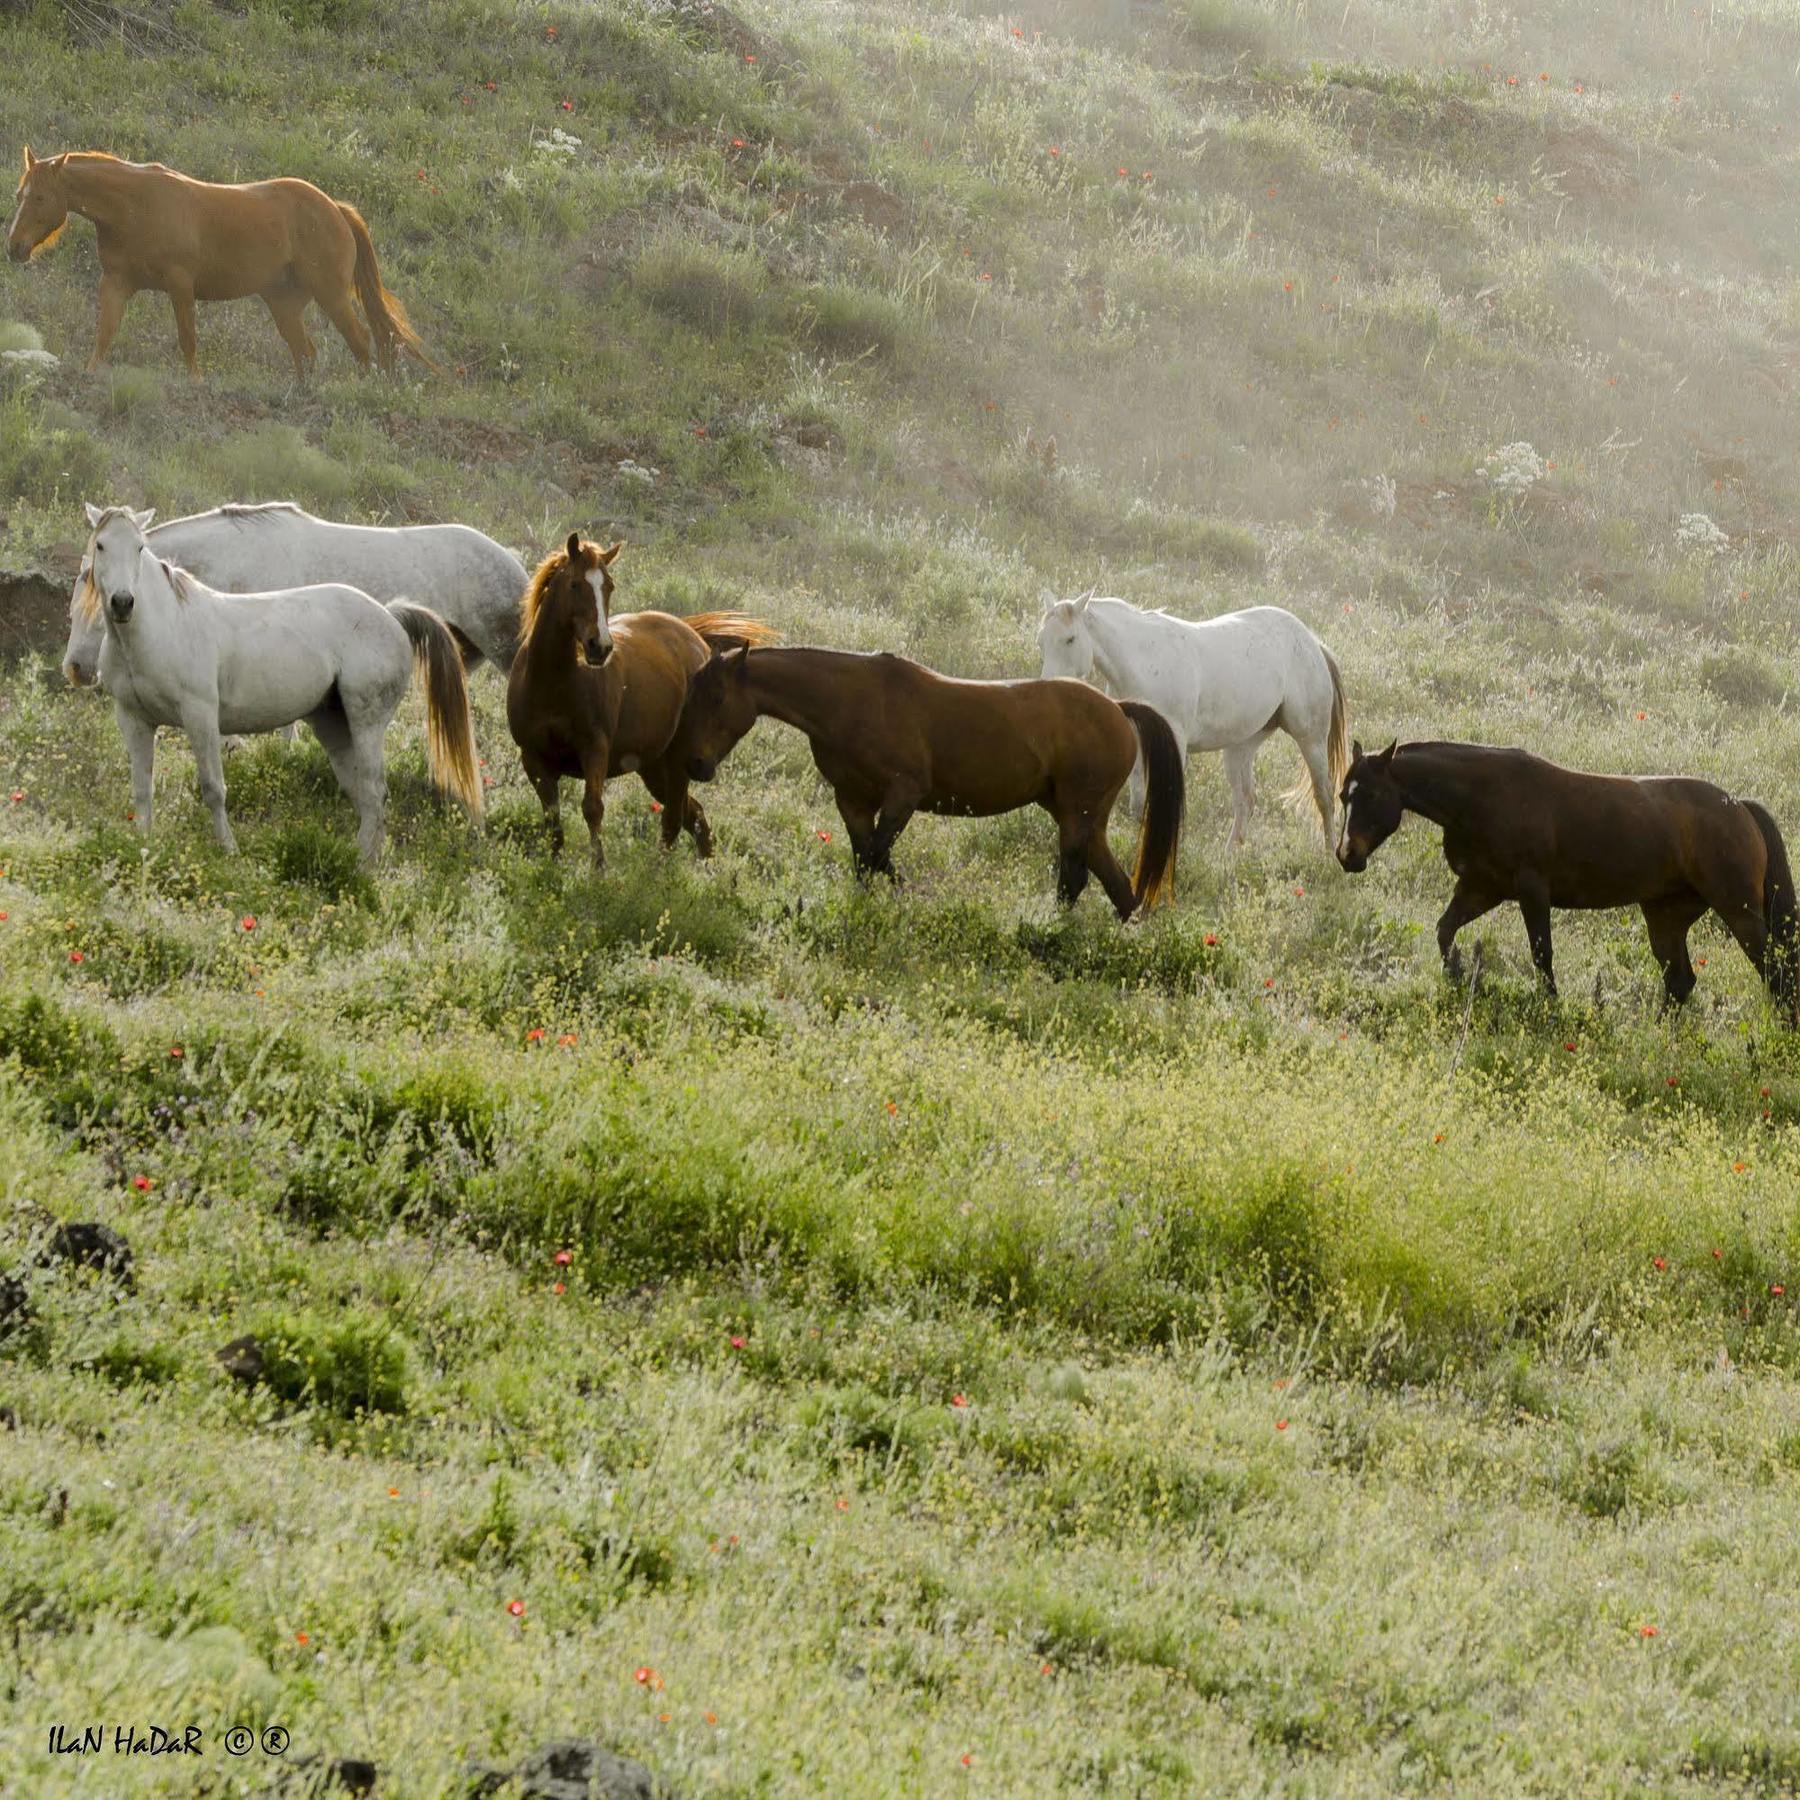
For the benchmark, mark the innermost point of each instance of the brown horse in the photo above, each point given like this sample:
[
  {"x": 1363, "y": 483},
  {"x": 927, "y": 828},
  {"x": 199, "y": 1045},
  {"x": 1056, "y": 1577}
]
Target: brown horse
[
  {"x": 591, "y": 697},
  {"x": 1521, "y": 829},
  {"x": 203, "y": 240},
  {"x": 893, "y": 738}
]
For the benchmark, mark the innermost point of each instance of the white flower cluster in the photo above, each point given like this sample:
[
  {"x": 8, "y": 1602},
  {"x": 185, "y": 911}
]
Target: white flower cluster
[
  {"x": 1695, "y": 531},
  {"x": 1513, "y": 470},
  {"x": 557, "y": 144},
  {"x": 637, "y": 471}
]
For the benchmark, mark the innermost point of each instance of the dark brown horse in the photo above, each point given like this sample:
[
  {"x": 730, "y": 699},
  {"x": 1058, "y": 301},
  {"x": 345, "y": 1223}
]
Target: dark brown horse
[
  {"x": 893, "y": 738},
  {"x": 591, "y": 697},
  {"x": 1521, "y": 829},
  {"x": 207, "y": 240}
]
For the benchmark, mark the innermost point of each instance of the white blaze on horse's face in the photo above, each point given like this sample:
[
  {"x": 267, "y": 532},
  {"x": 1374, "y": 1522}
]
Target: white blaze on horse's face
[
  {"x": 596, "y": 579},
  {"x": 1343, "y": 843},
  {"x": 1064, "y": 642}
]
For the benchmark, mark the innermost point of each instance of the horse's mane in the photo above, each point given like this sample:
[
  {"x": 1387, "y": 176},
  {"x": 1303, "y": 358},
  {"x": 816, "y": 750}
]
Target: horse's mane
[
  {"x": 242, "y": 511},
  {"x": 534, "y": 594},
  {"x": 179, "y": 579}
]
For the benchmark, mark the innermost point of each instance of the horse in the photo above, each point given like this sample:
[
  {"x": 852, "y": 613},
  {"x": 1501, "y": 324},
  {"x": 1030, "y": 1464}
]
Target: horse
[
  {"x": 178, "y": 652},
  {"x": 591, "y": 697},
  {"x": 204, "y": 240},
  {"x": 1522, "y": 829},
  {"x": 472, "y": 583},
  {"x": 1223, "y": 684},
  {"x": 892, "y": 738}
]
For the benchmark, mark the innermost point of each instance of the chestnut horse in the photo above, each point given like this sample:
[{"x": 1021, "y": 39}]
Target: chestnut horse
[
  {"x": 204, "y": 240},
  {"x": 592, "y": 697},
  {"x": 892, "y": 738},
  {"x": 1521, "y": 829}
]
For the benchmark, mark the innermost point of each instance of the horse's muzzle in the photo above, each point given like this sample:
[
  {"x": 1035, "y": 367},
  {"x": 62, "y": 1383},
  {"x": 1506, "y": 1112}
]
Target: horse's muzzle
[
  {"x": 596, "y": 651},
  {"x": 80, "y": 674},
  {"x": 702, "y": 768},
  {"x": 121, "y": 606},
  {"x": 18, "y": 252},
  {"x": 1353, "y": 862}
]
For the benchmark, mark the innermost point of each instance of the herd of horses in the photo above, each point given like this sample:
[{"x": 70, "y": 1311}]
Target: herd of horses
[{"x": 250, "y": 618}]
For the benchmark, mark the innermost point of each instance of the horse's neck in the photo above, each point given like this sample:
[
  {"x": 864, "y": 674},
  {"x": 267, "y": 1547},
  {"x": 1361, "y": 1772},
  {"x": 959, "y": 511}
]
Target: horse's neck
[
  {"x": 1111, "y": 663},
  {"x": 1433, "y": 788},
  {"x": 99, "y": 188},
  {"x": 793, "y": 686},
  {"x": 550, "y": 644}
]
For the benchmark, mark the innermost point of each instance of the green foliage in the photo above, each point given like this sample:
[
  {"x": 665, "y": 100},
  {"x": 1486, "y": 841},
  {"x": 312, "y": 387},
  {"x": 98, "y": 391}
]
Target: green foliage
[{"x": 347, "y": 1365}]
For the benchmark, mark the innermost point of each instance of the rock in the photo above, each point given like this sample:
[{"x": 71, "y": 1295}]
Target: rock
[
  {"x": 243, "y": 1360},
  {"x": 34, "y": 613},
  {"x": 15, "y": 1305},
  {"x": 30, "y": 365},
  {"x": 91, "y": 1245},
  {"x": 817, "y": 435},
  {"x": 569, "y": 1769},
  {"x": 321, "y": 1775}
]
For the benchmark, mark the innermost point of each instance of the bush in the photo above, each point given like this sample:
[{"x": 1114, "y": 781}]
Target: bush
[
  {"x": 275, "y": 462},
  {"x": 351, "y": 1366},
  {"x": 44, "y": 461},
  {"x": 710, "y": 288}
]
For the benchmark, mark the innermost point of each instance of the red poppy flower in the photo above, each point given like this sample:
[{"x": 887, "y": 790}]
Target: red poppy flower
[
  {"x": 959, "y": 1400},
  {"x": 1718, "y": 1254},
  {"x": 699, "y": 431},
  {"x": 1281, "y": 1424},
  {"x": 4, "y": 917},
  {"x": 393, "y": 1493},
  {"x": 76, "y": 956},
  {"x": 567, "y": 1041},
  {"x": 1268, "y": 981},
  {"x": 142, "y": 1183},
  {"x": 1047, "y": 1669},
  {"x": 1659, "y": 1262},
  {"x": 843, "y": 1505},
  {"x": 1512, "y": 81},
  {"x": 737, "y": 143},
  {"x": 490, "y": 86},
  {"x": 656, "y": 806},
  {"x": 967, "y": 1759},
  {"x": 556, "y": 1287},
  {"x": 737, "y": 1343},
  {"x": 1737, "y": 1168},
  {"x": 1055, "y": 151},
  {"x": 18, "y": 794},
  {"x": 1570, "y": 1048},
  {"x": 300, "y": 1637},
  {"x": 568, "y": 106},
  {"x": 1299, "y": 893},
  {"x": 1777, "y": 1289},
  {"x": 1647, "y": 1631},
  {"x": 1211, "y": 940},
  {"x": 641, "y": 1676},
  {"x": 248, "y": 922},
  {"x": 176, "y": 1053},
  {"x": 710, "y": 1718},
  {"x": 1287, "y": 287},
  {"x": 535, "y": 1035},
  {"x": 824, "y": 837},
  {"x": 1674, "y": 1081},
  {"x": 516, "y": 1608},
  {"x": 550, "y": 32},
  {"x": 564, "y": 1258}
]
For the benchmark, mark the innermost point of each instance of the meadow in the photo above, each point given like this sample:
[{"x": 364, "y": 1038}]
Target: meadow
[{"x": 816, "y": 1340}]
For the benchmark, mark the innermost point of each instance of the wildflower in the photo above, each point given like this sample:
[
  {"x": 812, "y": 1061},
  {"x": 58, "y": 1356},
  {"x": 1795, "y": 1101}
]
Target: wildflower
[
  {"x": 1047, "y": 1669},
  {"x": 568, "y": 106},
  {"x": 1718, "y": 1254},
  {"x": 824, "y": 837},
  {"x": 749, "y": 59},
  {"x": 142, "y": 1183},
  {"x": 1674, "y": 1081},
  {"x": 737, "y": 1343},
  {"x": 737, "y": 143},
  {"x": 176, "y": 1053},
  {"x": 959, "y": 1399},
  {"x": 710, "y": 1718},
  {"x": 75, "y": 956},
  {"x": 516, "y": 1608},
  {"x": 1545, "y": 76},
  {"x": 18, "y": 794},
  {"x": 641, "y": 1676},
  {"x": 1123, "y": 172},
  {"x": 985, "y": 275},
  {"x": 699, "y": 431},
  {"x": 1579, "y": 88},
  {"x": 1281, "y": 1424},
  {"x": 892, "y": 1108},
  {"x": 248, "y": 922},
  {"x": 492, "y": 87},
  {"x": 1146, "y": 175},
  {"x": 567, "y": 1041},
  {"x": 1512, "y": 81},
  {"x": 1287, "y": 287},
  {"x": 1055, "y": 150},
  {"x": 300, "y": 1637},
  {"x": 557, "y": 1287},
  {"x": 1299, "y": 893},
  {"x": 1737, "y": 1168},
  {"x": 1638, "y": 715},
  {"x": 1776, "y": 1289},
  {"x": 550, "y": 33},
  {"x": 1570, "y": 1048},
  {"x": 1659, "y": 1262},
  {"x": 3, "y": 918},
  {"x": 393, "y": 1493},
  {"x": 1646, "y": 1631},
  {"x": 1211, "y": 940},
  {"x": 535, "y": 1035},
  {"x": 563, "y": 1258},
  {"x": 843, "y": 1505},
  {"x": 663, "y": 1718},
  {"x": 1438, "y": 1138}
]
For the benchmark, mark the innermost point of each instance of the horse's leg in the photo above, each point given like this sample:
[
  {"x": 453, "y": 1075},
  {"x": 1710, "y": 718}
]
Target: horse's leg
[
  {"x": 1073, "y": 828},
  {"x": 1098, "y": 854},
  {"x": 898, "y": 805},
  {"x": 287, "y": 306},
  {"x": 1746, "y": 923},
  {"x": 339, "y": 306},
  {"x": 368, "y": 763},
  {"x": 1534, "y": 903},
  {"x": 593, "y": 800},
  {"x": 115, "y": 290},
  {"x": 1669, "y": 922},
  {"x": 859, "y": 822},
  {"x": 1314, "y": 754},
  {"x": 549, "y": 792},
  {"x": 1240, "y": 771},
  {"x": 181, "y": 298},
  {"x": 1466, "y": 904},
  {"x": 681, "y": 811},
  {"x": 140, "y": 744},
  {"x": 201, "y": 723}
]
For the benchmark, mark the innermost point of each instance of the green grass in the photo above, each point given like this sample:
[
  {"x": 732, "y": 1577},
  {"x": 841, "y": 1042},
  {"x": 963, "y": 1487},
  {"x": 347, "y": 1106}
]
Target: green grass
[{"x": 936, "y": 1339}]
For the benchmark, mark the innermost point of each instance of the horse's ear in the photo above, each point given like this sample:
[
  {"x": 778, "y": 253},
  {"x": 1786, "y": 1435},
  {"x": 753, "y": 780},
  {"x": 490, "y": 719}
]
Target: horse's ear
[
  {"x": 573, "y": 546},
  {"x": 610, "y": 556},
  {"x": 1081, "y": 605},
  {"x": 30, "y": 160},
  {"x": 94, "y": 515},
  {"x": 737, "y": 661},
  {"x": 1387, "y": 756},
  {"x": 146, "y": 518}
]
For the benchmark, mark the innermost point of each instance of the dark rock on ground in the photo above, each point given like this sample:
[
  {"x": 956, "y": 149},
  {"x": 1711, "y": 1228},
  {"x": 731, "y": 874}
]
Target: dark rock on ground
[
  {"x": 15, "y": 1305},
  {"x": 91, "y": 1245},
  {"x": 569, "y": 1769},
  {"x": 242, "y": 1359}
]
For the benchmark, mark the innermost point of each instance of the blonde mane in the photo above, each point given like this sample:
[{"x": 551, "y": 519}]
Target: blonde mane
[{"x": 534, "y": 594}]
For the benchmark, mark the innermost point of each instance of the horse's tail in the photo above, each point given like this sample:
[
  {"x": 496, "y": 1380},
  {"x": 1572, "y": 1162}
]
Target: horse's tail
[
  {"x": 1165, "y": 800},
  {"x": 1337, "y": 754},
  {"x": 449, "y": 728},
  {"x": 388, "y": 323},
  {"x": 727, "y": 630},
  {"x": 1781, "y": 913}
]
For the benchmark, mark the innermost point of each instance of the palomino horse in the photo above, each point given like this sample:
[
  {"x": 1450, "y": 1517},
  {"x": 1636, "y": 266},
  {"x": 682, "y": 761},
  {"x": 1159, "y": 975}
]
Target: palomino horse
[
  {"x": 472, "y": 583},
  {"x": 178, "y": 652},
  {"x": 893, "y": 738},
  {"x": 1223, "y": 684},
  {"x": 592, "y": 697},
  {"x": 1521, "y": 829},
  {"x": 204, "y": 240}
]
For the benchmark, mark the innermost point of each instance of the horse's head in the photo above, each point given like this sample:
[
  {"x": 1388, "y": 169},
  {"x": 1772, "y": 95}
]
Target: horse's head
[
  {"x": 81, "y": 655},
  {"x": 720, "y": 708},
  {"x": 113, "y": 551},
  {"x": 1372, "y": 808},
  {"x": 576, "y": 582},
  {"x": 1064, "y": 640},
  {"x": 43, "y": 207}
]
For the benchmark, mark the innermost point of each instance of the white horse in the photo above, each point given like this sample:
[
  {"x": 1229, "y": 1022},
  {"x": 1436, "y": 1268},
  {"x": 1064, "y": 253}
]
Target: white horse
[
  {"x": 472, "y": 583},
  {"x": 1223, "y": 684},
  {"x": 177, "y": 652}
]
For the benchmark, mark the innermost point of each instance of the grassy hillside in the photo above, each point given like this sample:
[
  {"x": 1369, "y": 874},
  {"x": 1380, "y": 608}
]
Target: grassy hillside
[{"x": 897, "y": 1342}]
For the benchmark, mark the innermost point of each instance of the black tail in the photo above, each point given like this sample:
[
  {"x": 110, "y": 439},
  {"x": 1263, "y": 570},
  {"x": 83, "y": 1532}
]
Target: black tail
[
  {"x": 1781, "y": 955},
  {"x": 1165, "y": 800}
]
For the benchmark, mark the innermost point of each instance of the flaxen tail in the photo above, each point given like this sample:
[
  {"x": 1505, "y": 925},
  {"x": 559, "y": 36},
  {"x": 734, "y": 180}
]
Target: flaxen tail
[
  {"x": 1337, "y": 755},
  {"x": 727, "y": 630},
  {"x": 1781, "y": 913},
  {"x": 388, "y": 323},
  {"x": 449, "y": 728},
  {"x": 1165, "y": 800}
]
